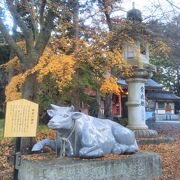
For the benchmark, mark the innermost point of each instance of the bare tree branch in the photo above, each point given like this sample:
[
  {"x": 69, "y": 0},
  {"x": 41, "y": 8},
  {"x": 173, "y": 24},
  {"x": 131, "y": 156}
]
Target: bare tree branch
[
  {"x": 45, "y": 32},
  {"x": 26, "y": 32},
  {"x": 16, "y": 16},
  {"x": 11, "y": 41},
  {"x": 172, "y": 4},
  {"x": 34, "y": 24},
  {"x": 43, "y": 4}
]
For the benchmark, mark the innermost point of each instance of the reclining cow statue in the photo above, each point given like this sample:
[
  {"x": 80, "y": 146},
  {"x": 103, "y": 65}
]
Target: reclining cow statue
[{"x": 87, "y": 136}]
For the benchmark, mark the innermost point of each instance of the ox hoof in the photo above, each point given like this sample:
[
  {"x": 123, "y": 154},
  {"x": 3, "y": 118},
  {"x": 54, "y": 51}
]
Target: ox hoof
[
  {"x": 37, "y": 147},
  {"x": 91, "y": 152},
  {"x": 119, "y": 149},
  {"x": 132, "y": 149}
]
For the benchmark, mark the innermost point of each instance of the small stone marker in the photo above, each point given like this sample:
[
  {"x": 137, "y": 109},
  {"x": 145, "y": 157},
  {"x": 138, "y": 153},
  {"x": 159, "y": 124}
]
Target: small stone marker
[{"x": 21, "y": 119}]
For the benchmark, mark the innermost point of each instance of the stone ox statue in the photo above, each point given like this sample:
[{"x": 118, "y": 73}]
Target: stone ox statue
[{"x": 86, "y": 136}]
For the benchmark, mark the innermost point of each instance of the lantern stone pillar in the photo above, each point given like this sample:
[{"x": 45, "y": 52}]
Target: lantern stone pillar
[{"x": 136, "y": 103}]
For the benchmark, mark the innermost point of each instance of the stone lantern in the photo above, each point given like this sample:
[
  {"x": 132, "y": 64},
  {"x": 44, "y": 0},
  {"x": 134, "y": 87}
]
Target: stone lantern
[{"x": 137, "y": 56}]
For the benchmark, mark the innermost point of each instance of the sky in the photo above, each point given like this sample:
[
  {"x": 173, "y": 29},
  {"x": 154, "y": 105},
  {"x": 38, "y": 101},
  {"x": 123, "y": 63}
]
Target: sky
[
  {"x": 139, "y": 4},
  {"x": 146, "y": 6},
  {"x": 143, "y": 4}
]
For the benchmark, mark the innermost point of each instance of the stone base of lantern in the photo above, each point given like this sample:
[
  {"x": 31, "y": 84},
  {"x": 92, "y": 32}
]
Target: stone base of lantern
[{"x": 145, "y": 133}]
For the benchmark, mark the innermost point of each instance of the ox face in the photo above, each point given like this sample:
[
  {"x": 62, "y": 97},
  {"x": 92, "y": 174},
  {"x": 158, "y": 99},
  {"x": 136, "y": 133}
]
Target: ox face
[
  {"x": 63, "y": 121},
  {"x": 60, "y": 117}
]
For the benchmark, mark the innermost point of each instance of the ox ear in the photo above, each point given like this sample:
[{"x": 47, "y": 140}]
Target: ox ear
[
  {"x": 50, "y": 112},
  {"x": 55, "y": 107},
  {"x": 72, "y": 108},
  {"x": 76, "y": 115}
]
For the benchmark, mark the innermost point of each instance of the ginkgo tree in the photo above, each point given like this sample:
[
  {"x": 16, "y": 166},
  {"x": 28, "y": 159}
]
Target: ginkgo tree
[{"x": 35, "y": 21}]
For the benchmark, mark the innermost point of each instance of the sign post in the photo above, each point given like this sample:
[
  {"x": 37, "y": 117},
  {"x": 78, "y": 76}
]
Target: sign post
[{"x": 21, "y": 121}]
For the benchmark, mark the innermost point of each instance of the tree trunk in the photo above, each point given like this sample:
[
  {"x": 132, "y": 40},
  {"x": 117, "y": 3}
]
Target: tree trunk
[
  {"x": 108, "y": 96},
  {"x": 29, "y": 91},
  {"x": 98, "y": 100},
  {"x": 75, "y": 99},
  {"x": 108, "y": 106},
  {"x": 29, "y": 88}
]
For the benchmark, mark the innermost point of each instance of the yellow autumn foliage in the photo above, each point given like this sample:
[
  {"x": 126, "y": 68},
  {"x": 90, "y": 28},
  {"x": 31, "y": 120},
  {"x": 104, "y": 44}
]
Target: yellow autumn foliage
[
  {"x": 109, "y": 85},
  {"x": 160, "y": 48},
  {"x": 59, "y": 66},
  {"x": 12, "y": 90},
  {"x": 13, "y": 63},
  {"x": 115, "y": 58}
]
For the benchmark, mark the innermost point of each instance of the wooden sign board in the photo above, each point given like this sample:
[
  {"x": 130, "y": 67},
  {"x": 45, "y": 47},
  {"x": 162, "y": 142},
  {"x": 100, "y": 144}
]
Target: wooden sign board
[{"x": 21, "y": 119}]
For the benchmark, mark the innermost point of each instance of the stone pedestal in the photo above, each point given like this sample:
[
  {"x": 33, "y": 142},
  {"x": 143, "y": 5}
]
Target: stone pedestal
[
  {"x": 136, "y": 103},
  {"x": 142, "y": 166}
]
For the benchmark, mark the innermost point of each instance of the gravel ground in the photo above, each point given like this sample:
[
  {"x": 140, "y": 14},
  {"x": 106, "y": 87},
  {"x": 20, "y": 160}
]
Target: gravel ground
[{"x": 168, "y": 129}]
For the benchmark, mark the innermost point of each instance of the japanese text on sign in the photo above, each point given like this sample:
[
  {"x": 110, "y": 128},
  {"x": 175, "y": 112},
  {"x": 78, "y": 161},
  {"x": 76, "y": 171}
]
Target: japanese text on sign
[{"x": 21, "y": 119}]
